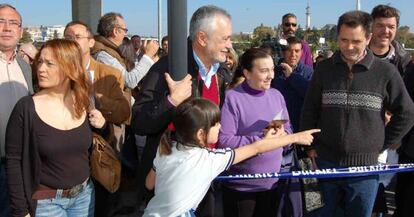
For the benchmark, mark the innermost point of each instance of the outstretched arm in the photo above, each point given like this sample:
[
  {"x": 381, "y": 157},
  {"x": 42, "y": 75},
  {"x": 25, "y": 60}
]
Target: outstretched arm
[{"x": 269, "y": 144}]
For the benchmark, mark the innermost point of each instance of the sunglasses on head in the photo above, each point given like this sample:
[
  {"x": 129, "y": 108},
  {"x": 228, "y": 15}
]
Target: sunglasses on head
[{"x": 290, "y": 24}]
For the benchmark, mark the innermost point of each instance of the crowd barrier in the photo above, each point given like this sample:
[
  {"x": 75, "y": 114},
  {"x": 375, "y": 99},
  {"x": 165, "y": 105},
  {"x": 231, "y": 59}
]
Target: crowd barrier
[{"x": 327, "y": 173}]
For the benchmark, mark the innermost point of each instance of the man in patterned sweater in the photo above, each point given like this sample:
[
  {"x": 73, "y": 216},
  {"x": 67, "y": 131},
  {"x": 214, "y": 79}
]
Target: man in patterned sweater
[{"x": 347, "y": 98}]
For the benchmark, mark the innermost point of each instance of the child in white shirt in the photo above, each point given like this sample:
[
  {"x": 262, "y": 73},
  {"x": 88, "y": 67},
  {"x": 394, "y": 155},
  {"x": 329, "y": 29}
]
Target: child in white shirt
[{"x": 184, "y": 168}]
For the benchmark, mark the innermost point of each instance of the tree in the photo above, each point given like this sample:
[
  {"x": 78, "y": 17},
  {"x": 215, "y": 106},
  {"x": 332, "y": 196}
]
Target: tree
[
  {"x": 261, "y": 33},
  {"x": 27, "y": 37},
  {"x": 405, "y": 36},
  {"x": 300, "y": 33},
  {"x": 333, "y": 45}
]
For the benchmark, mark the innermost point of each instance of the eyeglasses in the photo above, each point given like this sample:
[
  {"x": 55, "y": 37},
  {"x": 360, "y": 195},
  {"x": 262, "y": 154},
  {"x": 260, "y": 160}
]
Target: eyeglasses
[
  {"x": 125, "y": 29},
  {"x": 75, "y": 37},
  {"x": 290, "y": 24},
  {"x": 12, "y": 23}
]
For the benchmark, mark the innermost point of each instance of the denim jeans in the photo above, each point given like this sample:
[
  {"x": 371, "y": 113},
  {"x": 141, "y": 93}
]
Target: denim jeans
[
  {"x": 189, "y": 213},
  {"x": 4, "y": 193},
  {"x": 83, "y": 205},
  {"x": 357, "y": 194}
]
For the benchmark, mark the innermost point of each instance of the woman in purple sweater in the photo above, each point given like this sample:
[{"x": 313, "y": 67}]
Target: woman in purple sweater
[{"x": 247, "y": 111}]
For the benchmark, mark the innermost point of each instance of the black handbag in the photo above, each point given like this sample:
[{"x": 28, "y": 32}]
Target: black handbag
[{"x": 311, "y": 193}]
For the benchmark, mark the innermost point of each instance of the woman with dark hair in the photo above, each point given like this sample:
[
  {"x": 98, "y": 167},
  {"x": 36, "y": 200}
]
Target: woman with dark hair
[
  {"x": 49, "y": 136},
  {"x": 128, "y": 52},
  {"x": 249, "y": 109}
]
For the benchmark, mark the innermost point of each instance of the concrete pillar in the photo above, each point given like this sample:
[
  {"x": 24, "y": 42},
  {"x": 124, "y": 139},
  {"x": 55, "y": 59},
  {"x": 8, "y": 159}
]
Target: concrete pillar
[
  {"x": 177, "y": 39},
  {"x": 87, "y": 11}
]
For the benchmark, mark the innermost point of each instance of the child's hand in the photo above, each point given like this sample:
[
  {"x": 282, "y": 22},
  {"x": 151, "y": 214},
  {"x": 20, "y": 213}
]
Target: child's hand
[{"x": 305, "y": 137}]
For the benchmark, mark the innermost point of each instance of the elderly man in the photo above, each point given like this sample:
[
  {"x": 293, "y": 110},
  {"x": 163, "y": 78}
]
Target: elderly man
[
  {"x": 15, "y": 82},
  {"x": 347, "y": 98},
  {"x": 209, "y": 43},
  {"x": 289, "y": 27},
  {"x": 112, "y": 30}
]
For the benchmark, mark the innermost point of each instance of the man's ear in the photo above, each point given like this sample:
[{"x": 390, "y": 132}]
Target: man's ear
[
  {"x": 202, "y": 38},
  {"x": 91, "y": 42},
  {"x": 115, "y": 32},
  {"x": 369, "y": 38}
]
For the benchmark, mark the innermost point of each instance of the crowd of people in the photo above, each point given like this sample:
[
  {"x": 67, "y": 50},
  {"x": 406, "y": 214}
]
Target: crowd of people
[{"x": 229, "y": 115}]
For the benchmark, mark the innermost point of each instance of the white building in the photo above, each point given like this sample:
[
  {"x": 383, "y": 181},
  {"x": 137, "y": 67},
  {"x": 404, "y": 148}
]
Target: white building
[{"x": 44, "y": 33}]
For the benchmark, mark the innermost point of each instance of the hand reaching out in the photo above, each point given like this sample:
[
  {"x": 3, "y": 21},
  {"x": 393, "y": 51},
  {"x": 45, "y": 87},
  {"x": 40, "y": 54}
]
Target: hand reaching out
[{"x": 305, "y": 137}]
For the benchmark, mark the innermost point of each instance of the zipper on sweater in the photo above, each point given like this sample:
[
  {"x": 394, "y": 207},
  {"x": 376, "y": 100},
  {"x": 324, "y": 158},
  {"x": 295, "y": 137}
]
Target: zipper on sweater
[{"x": 349, "y": 78}]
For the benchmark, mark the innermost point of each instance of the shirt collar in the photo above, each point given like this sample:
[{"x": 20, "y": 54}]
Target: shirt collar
[
  {"x": 366, "y": 61},
  {"x": 4, "y": 57},
  {"x": 391, "y": 53},
  {"x": 206, "y": 76}
]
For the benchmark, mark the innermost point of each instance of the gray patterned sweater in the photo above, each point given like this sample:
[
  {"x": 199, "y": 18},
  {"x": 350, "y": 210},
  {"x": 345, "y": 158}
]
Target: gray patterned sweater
[{"x": 349, "y": 106}]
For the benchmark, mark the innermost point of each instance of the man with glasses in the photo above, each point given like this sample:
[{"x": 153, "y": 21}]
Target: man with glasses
[
  {"x": 108, "y": 86},
  {"x": 112, "y": 30},
  {"x": 15, "y": 82},
  {"x": 290, "y": 26}
]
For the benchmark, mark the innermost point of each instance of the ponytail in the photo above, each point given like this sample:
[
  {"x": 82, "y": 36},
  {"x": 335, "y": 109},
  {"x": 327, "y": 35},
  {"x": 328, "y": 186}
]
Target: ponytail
[{"x": 165, "y": 143}]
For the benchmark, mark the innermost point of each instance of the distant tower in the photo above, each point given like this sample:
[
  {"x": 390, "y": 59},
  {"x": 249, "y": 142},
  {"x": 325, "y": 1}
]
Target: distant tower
[
  {"x": 308, "y": 17},
  {"x": 358, "y": 5}
]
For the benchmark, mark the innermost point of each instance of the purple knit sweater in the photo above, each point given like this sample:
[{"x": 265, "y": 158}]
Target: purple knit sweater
[{"x": 245, "y": 113}]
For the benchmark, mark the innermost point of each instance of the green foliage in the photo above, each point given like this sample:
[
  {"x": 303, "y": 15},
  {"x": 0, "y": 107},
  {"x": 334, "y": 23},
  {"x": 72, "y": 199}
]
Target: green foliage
[
  {"x": 333, "y": 45},
  {"x": 405, "y": 36},
  {"x": 26, "y": 37},
  {"x": 261, "y": 33}
]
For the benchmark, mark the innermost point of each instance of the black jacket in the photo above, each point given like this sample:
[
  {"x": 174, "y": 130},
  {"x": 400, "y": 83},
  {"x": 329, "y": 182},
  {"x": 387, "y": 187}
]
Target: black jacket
[
  {"x": 402, "y": 58},
  {"x": 407, "y": 146},
  {"x": 151, "y": 112},
  {"x": 349, "y": 108}
]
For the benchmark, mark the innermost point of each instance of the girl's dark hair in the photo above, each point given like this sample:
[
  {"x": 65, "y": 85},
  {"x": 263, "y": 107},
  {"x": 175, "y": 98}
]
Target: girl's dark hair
[
  {"x": 191, "y": 115},
  {"x": 246, "y": 60}
]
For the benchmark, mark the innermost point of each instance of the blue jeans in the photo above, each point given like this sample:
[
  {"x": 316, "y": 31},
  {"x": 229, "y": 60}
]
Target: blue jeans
[
  {"x": 189, "y": 213},
  {"x": 357, "y": 193},
  {"x": 4, "y": 193},
  {"x": 83, "y": 205}
]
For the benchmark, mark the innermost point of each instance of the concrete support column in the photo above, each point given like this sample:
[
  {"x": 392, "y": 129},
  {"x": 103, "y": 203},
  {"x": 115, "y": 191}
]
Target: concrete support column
[
  {"x": 87, "y": 11},
  {"x": 177, "y": 39}
]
